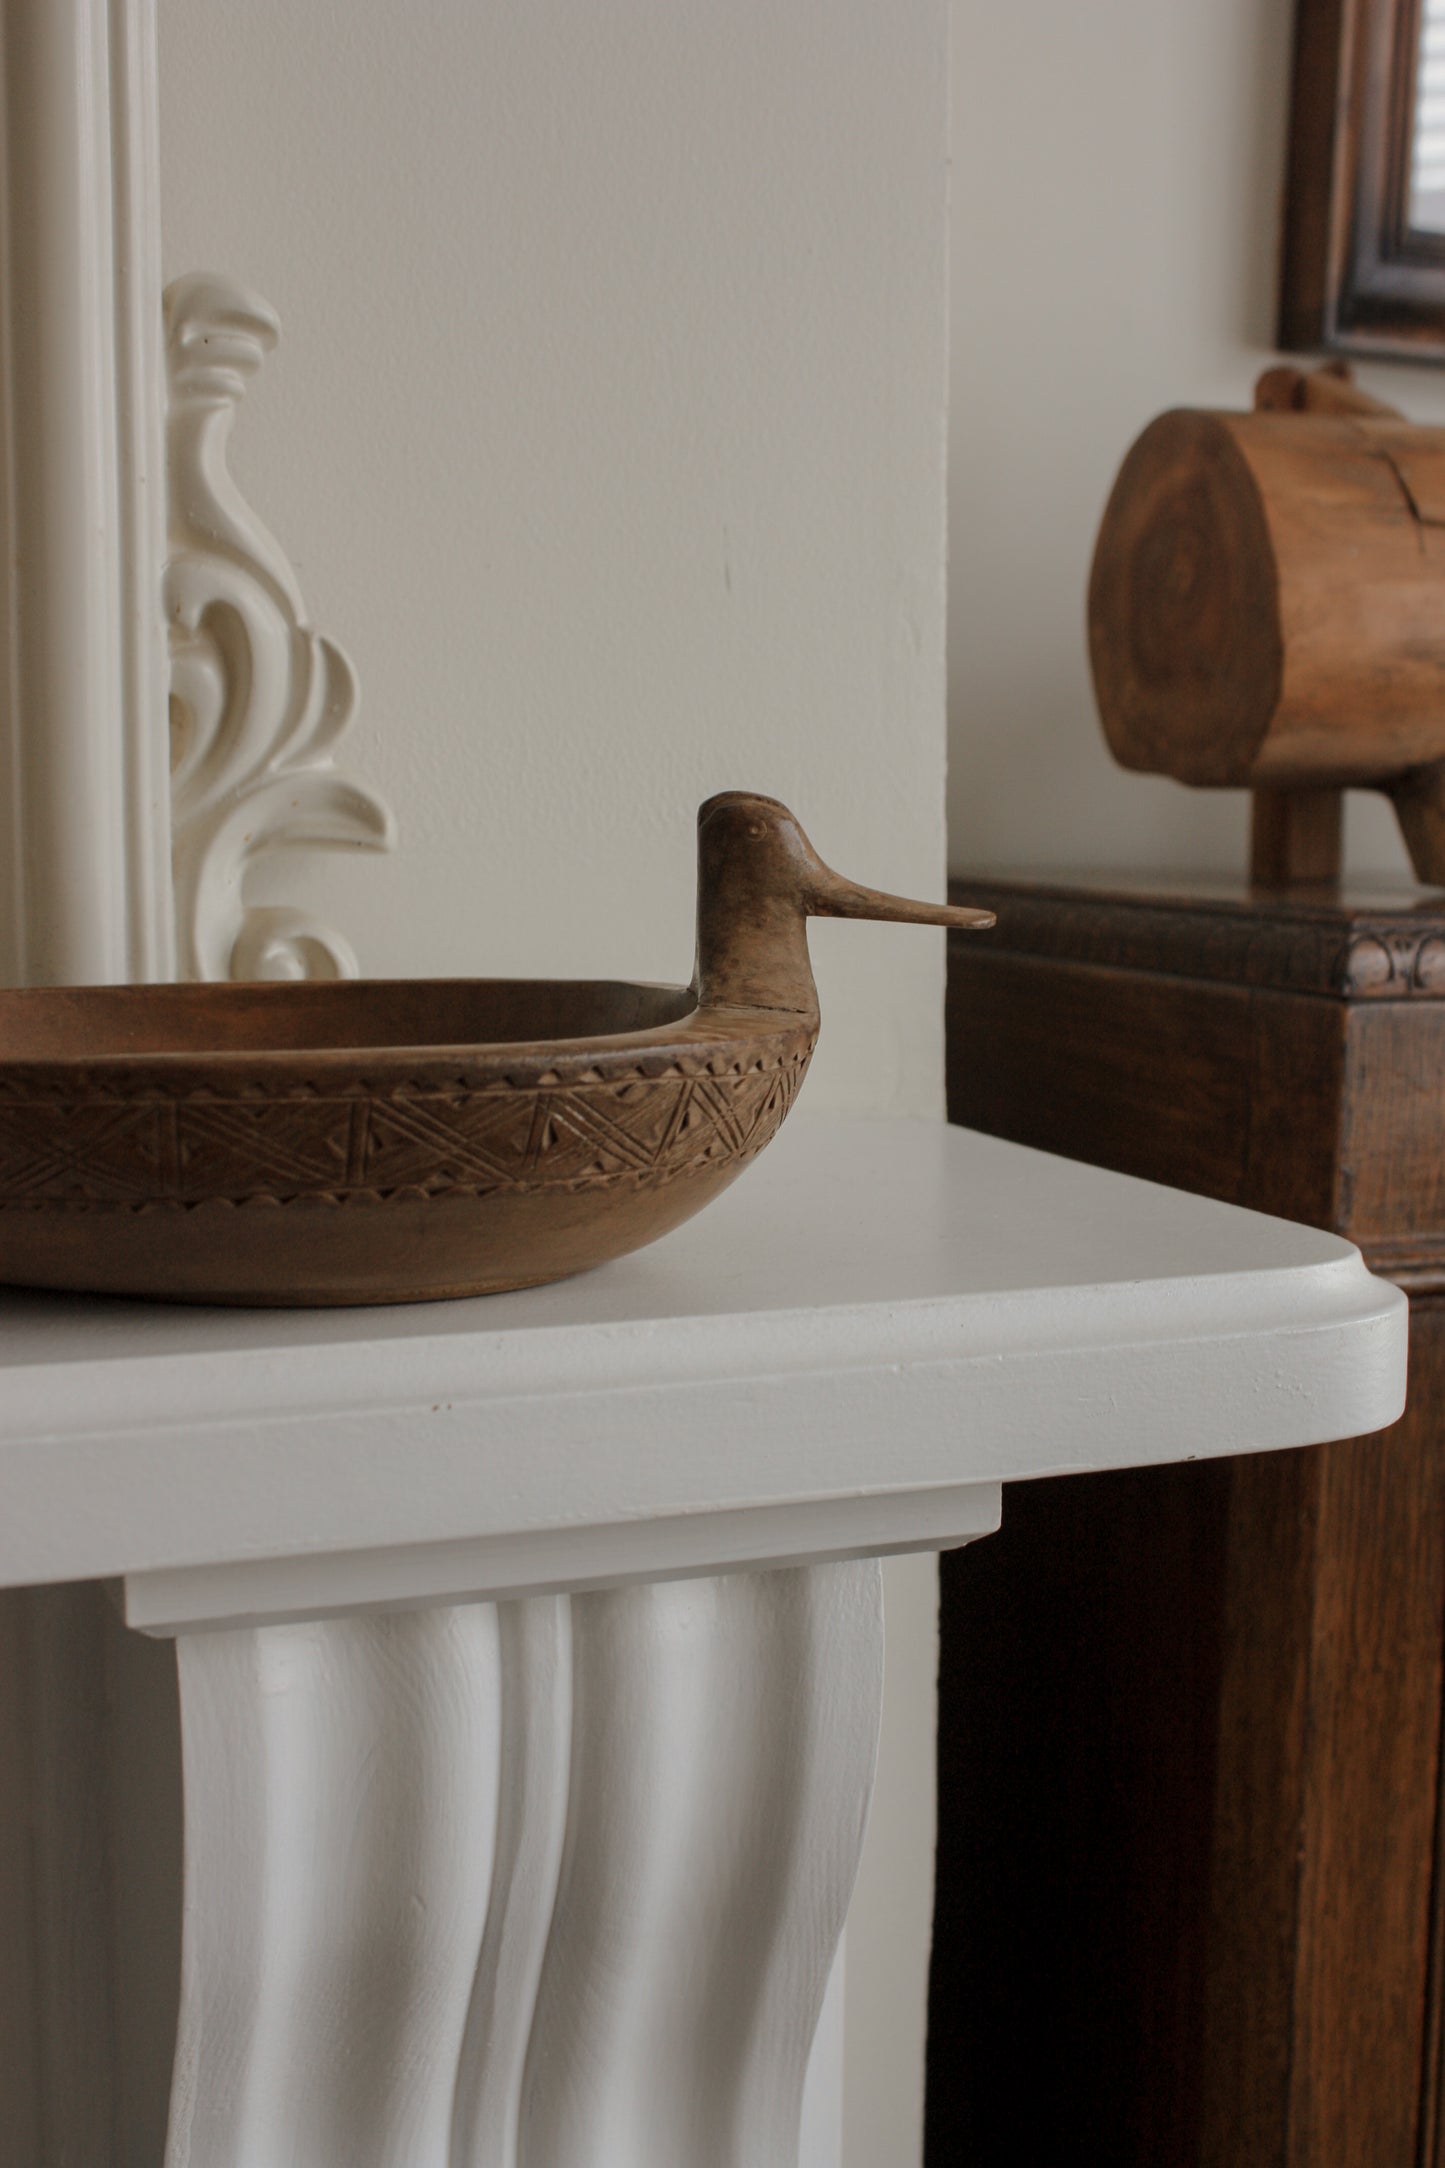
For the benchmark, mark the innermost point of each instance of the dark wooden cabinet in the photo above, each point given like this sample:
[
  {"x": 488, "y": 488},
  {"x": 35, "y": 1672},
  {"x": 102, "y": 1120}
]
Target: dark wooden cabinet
[{"x": 1188, "y": 1909}]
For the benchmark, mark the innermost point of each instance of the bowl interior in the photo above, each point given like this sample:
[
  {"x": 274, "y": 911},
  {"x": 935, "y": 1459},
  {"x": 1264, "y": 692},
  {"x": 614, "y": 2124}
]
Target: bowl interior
[{"x": 93, "y": 1022}]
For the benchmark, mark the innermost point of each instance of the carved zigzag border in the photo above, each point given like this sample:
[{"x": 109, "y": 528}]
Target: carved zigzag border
[{"x": 725, "y": 1131}]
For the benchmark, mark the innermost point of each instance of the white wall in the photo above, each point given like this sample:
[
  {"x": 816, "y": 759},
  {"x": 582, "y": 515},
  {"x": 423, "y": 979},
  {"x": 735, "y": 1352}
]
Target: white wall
[
  {"x": 1116, "y": 185},
  {"x": 607, "y": 434}
]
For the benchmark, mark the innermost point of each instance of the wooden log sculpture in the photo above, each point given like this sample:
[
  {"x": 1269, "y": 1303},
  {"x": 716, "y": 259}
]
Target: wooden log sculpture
[{"x": 1267, "y": 608}]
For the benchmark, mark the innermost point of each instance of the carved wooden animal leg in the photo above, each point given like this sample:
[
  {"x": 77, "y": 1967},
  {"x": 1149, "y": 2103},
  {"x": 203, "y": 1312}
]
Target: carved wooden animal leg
[
  {"x": 1419, "y": 800},
  {"x": 1295, "y": 837},
  {"x": 548, "y": 1884}
]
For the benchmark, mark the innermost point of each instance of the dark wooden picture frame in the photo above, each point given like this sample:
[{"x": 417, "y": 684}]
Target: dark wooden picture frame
[{"x": 1356, "y": 277}]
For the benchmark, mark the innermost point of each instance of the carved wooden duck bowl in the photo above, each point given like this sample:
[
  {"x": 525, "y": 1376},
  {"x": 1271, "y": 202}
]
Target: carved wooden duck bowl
[{"x": 371, "y": 1141}]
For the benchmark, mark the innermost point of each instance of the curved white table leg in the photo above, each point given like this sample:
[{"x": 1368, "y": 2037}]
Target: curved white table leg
[
  {"x": 550, "y": 1884},
  {"x": 724, "y": 1737},
  {"x": 340, "y": 1797},
  {"x": 536, "y": 1650}
]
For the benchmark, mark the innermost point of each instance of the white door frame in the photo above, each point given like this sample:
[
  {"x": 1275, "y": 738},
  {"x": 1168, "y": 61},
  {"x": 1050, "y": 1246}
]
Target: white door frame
[{"x": 85, "y": 853}]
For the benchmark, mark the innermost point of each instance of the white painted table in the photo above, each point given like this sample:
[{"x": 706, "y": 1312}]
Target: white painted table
[{"x": 486, "y": 1872}]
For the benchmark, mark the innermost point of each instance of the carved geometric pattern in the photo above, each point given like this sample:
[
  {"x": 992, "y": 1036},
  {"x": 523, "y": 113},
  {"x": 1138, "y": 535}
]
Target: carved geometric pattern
[
  {"x": 1389, "y": 964},
  {"x": 1311, "y": 949},
  {"x": 153, "y": 1150}
]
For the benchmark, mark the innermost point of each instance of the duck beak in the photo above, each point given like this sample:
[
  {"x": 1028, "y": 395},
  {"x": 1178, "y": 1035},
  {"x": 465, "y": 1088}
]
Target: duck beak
[{"x": 829, "y": 896}]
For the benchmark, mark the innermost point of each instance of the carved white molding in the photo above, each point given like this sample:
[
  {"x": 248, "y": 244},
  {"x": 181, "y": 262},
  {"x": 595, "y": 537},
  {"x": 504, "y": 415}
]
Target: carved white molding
[
  {"x": 723, "y": 1743},
  {"x": 547, "y": 1884},
  {"x": 341, "y": 1789},
  {"x": 536, "y": 1742},
  {"x": 94, "y": 883},
  {"x": 258, "y": 699}
]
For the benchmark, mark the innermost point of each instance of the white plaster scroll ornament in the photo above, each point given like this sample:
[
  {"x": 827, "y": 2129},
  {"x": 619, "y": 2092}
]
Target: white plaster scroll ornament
[{"x": 258, "y": 699}]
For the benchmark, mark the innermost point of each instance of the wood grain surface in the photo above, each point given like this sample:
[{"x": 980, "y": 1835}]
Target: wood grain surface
[
  {"x": 1189, "y": 1909},
  {"x": 1265, "y": 598}
]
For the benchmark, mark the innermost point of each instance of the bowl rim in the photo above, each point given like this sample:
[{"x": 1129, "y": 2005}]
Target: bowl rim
[{"x": 692, "y": 1032}]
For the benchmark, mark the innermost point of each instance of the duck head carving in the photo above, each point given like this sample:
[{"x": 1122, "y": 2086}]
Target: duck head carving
[{"x": 759, "y": 882}]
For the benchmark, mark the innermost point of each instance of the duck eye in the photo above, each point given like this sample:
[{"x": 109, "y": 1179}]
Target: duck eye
[{"x": 757, "y": 828}]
